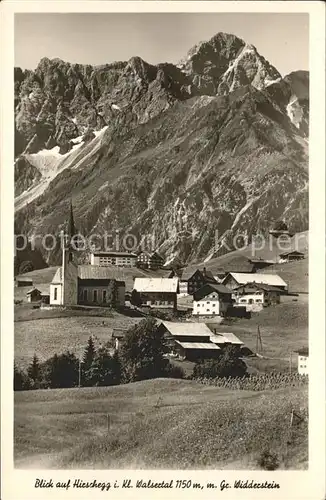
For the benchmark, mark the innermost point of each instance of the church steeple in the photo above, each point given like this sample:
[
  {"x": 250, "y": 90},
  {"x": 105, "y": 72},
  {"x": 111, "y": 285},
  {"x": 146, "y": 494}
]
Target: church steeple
[
  {"x": 71, "y": 233},
  {"x": 69, "y": 289}
]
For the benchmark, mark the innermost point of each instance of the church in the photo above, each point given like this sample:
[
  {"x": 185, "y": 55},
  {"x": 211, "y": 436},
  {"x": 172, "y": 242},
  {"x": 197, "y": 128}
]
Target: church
[{"x": 88, "y": 285}]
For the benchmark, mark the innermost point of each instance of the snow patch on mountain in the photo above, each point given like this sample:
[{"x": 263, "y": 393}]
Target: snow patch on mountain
[
  {"x": 295, "y": 111},
  {"x": 99, "y": 133},
  {"x": 95, "y": 145},
  {"x": 269, "y": 82},
  {"x": 50, "y": 163}
]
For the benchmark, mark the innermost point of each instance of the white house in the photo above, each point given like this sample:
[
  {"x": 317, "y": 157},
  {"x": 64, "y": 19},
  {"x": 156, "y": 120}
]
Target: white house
[
  {"x": 255, "y": 296},
  {"x": 211, "y": 300},
  {"x": 119, "y": 259},
  {"x": 303, "y": 361}
]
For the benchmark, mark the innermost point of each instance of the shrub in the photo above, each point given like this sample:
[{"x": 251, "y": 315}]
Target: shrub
[
  {"x": 21, "y": 380},
  {"x": 173, "y": 371},
  {"x": 25, "y": 267},
  {"x": 105, "y": 369},
  {"x": 60, "y": 371},
  {"x": 268, "y": 460},
  {"x": 227, "y": 365},
  {"x": 135, "y": 298},
  {"x": 142, "y": 353}
]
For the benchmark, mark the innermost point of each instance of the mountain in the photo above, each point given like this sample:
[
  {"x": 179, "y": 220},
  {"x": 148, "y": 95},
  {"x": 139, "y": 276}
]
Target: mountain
[{"x": 186, "y": 153}]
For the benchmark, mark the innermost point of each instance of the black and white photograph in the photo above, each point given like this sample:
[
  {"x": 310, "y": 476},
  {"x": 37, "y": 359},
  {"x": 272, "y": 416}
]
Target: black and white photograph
[{"x": 161, "y": 234}]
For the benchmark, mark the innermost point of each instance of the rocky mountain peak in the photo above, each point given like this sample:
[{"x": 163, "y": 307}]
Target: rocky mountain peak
[
  {"x": 225, "y": 63},
  {"x": 140, "y": 69}
]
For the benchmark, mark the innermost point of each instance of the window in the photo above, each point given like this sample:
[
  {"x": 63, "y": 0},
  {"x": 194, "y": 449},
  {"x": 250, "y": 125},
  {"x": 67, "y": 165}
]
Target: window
[
  {"x": 243, "y": 301},
  {"x": 104, "y": 295},
  {"x": 214, "y": 305},
  {"x": 85, "y": 295},
  {"x": 95, "y": 296},
  {"x": 258, "y": 300},
  {"x": 55, "y": 294}
]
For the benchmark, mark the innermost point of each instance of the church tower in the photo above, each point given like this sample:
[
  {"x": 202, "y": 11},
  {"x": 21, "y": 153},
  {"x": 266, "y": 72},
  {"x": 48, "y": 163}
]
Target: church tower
[{"x": 69, "y": 264}]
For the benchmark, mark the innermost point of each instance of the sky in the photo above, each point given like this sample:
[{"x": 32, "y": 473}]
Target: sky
[{"x": 99, "y": 38}]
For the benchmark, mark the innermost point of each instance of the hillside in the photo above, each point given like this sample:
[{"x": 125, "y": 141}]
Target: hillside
[
  {"x": 43, "y": 277},
  {"x": 293, "y": 273},
  {"x": 54, "y": 335},
  {"x": 182, "y": 153},
  {"x": 158, "y": 424}
]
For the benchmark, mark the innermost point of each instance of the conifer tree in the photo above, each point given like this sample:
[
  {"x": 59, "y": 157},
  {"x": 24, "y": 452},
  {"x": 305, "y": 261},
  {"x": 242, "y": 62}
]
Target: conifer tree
[
  {"x": 34, "y": 371},
  {"x": 88, "y": 358}
]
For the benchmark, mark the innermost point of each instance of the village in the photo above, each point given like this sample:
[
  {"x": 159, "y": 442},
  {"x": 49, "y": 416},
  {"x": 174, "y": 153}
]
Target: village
[{"x": 191, "y": 305}]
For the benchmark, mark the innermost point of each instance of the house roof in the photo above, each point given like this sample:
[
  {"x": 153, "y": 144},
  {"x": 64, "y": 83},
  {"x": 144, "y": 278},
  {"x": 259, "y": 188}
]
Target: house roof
[
  {"x": 57, "y": 278},
  {"x": 303, "y": 352},
  {"x": 294, "y": 252},
  {"x": 119, "y": 333},
  {"x": 115, "y": 254},
  {"x": 187, "y": 328},
  {"x": 198, "y": 345},
  {"x": 186, "y": 274},
  {"x": 33, "y": 290},
  {"x": 266, "y": 279},
  {"x": 24, "y": 278},
  {"x": 44, "y": 289},
  {"x": 88, "y": 272},
  {"x": 260, "y": 286},
  {"x": 151, "y": 254},
  {"x": 260, "y": 260},
  {"x": 156, "y": 285},
  {"x": 209, "y": 288},
  {"x": 224, "y": 338},
  {"x": 208, "y": 275}
]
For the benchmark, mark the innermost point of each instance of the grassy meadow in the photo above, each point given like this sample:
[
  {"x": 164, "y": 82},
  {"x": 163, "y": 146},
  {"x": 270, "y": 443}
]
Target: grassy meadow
[
  {"x": 163, "y": 423},
  {"x": 48, "y": 336}
]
